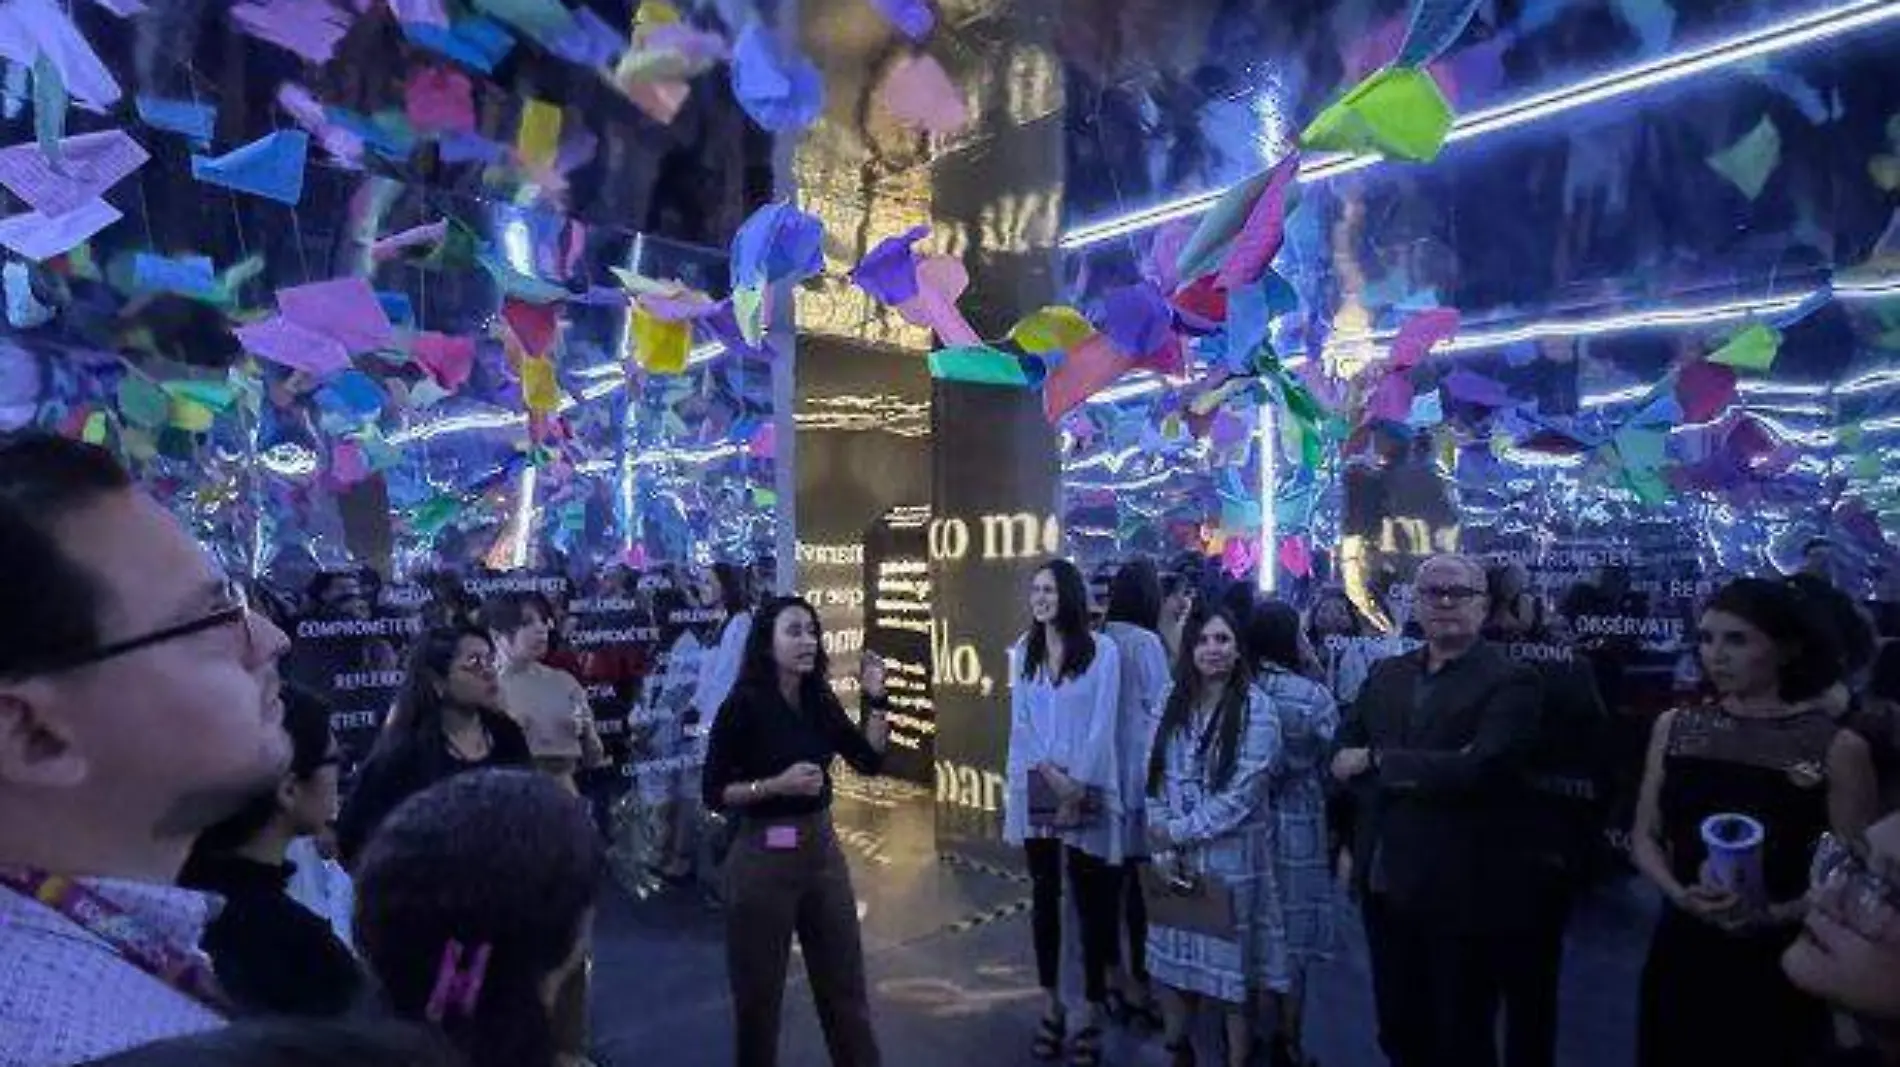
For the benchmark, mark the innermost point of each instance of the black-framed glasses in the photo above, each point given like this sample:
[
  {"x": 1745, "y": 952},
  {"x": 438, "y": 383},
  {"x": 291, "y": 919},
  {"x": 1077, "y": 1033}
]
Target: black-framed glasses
[
  {"x": 234, "y": 609},
  {"x": 1456, "y": 594},
  {"x": 1863, "y": 899}
]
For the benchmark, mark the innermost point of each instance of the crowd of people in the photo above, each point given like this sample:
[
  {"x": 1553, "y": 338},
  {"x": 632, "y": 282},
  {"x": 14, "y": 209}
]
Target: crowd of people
[{"x": 1189, "y": 776}]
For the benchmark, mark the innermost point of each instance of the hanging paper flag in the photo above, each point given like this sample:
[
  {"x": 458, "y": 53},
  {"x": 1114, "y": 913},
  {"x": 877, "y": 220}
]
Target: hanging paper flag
[
  {"x": 476, "y": 43},
  {"x": 427, "y": 236},
  {"x": 49, "y": 110},
  {"x": 913, "y": 18},
  {"x": 24, "y": 311},
  {"x": 941, "y": 281},
  {"x": 1240, "y": 556},
  {"x": 1477, "y": 389},
  {"x": 888, "y": 272},
  {"x": 543, "y": 20},
  {"x": 193, "y": 120},
  {"x": 1654, "y": 22},
  {"x": 659, "y": 346},
  {"x": 1390, "y": 400},
  {"x": 748, "y": 312},
  {"x": 1704, "y": 389},
  {"x": 30, "y": 29},
  {"x": 1223, "y": 221},
  {"x": 539, "y": 136},
  {"x": 660, "y": 101},
  {"x": 420, "y": 13},
  {"x": 978, "y": 365},
  {"x": 1203, "y": 306},
  {"x": 1436, "y": 25},
  {"x": 1295, "y": 557},
  {"x": 778, "y": 243},
  {"x": 1754, "y": 348},
  {"x": 40, "y": 237},
  {"x": 93, "y": 163},
  {"x": 290, "y": 344},
  {"x": 187, "y": 415},
  {"x": 1136, "y": 317},
  {"x": 535, "y": 326},
  {"x": 781, "y": 90},
  {"x": 1751, "y": 161},
  {"x": 1056, "y": 328},
  {"x": 447, "y": 359},
  {"x": 919, "y": 94},
  {"x": 348, "y": 466},
  {"x": 1427, "y": 410},
  {"x": 142, "y": 403},
  {"x": 310, "y": 28},
  {"x": 345, "y": 146},
  {"x": 192, "y": 276},
  {"x": 270, "y": 167},
  {"x": 343, "y": 308},
  {"x": 670, "y": 53},
  {"x": 438, "y": 99},
  {"x": 539, "y": 389},
  {"x": 1087, "y": 369},
  {"x": 1259, "y": 239},
  {"x": 1397, "y": 112},
  {"x": 589, "y": 41},
  {"x": 1419, "y": 334}
]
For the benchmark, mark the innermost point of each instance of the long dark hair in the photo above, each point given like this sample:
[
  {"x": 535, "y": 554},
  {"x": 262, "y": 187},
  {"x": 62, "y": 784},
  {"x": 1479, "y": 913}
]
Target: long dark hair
[
  {"x": 758, "y": 670},
  {"x": 1134, "y": 595},
  {"x": 1230, "y": 718},
  {"x": 307, "y": 721},
  {"x": 1071, "y": 621},
  {"x": 417, "y": 720},
  {"x": 1796, "y": 625},
  {"x": 732, "y": 588},
  {"x": 1273, "y": 635},
  {"x": 1357, "y": 621},
  {"x": 503, "y": 860}
]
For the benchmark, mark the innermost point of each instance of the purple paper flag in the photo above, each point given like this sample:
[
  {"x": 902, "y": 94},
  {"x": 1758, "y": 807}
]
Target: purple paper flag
[
  {"x": 94, "y": 162},
  {"x": 1136, "y": 317},
  {"x": 1419, "y": 333},
  {"x": 290, "y": 345},
  {"x": 777, "y": 243},
  {"x": 888, "y": 272},
  {"x": 780, "y": 89},
  {"x": 343, "y": 308},
  {"x": 310, "y": 28},
  {"x": 1474, "y": 388},
  {"x": 1259, "y": 239},
  {"x": 39, "y": 237}
]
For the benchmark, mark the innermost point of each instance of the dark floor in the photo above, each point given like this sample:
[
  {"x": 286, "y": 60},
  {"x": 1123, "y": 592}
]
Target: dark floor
[{"x": 952, "y": 978}]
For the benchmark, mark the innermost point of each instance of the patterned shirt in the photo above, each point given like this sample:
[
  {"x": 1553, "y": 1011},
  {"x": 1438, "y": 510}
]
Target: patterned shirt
[{"x": 67, "y": 997}]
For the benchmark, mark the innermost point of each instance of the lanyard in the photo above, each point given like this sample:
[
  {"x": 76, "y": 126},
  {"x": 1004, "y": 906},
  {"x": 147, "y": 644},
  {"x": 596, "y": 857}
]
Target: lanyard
[{"x": 185, "y": 970}]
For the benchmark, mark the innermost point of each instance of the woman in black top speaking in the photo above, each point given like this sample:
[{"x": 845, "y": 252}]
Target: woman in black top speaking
[{"x": 767, "y": 767}]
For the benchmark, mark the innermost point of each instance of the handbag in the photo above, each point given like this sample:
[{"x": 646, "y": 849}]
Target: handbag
[
  {"x": 1046, "y": 808},
  {"x": 1183, "y": 900}
]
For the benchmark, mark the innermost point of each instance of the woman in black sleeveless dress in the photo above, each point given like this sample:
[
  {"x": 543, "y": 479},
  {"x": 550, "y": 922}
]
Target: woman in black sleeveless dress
[{"x": 1713, "y": 991}]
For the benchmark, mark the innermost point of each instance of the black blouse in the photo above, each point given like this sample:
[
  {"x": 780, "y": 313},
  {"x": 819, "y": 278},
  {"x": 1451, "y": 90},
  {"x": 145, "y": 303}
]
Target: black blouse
[
  {"x": 272, "y": 955},
  {"x": 758, "y": 735},
  {"x": 393, "y": 775}
]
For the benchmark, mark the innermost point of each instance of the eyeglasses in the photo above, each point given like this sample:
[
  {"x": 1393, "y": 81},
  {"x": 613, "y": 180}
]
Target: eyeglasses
[
  {"x": 1859, "y": 897},
  {"x": 1456, "y": 594},
  {"x": 478, "y": 664},
  {"x": 233, "y": 609}
]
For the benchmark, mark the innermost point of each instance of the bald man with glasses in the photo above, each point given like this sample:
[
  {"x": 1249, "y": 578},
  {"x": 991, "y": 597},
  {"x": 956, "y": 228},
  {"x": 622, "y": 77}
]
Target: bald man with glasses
[
  {"x": 139, "y": 705},
  {"x": 1433, "y": 752}
]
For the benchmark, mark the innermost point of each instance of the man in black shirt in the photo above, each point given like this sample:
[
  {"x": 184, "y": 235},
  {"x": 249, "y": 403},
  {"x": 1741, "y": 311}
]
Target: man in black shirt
[{"x": 1434, "y": 750}]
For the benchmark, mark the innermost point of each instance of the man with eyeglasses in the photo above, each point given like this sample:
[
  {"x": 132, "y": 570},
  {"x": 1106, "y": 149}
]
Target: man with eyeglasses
[
  {"x": 1433, "y": 751},
  {"x": 1848, "y": 953},
  {"x": 139, "y": 705}
]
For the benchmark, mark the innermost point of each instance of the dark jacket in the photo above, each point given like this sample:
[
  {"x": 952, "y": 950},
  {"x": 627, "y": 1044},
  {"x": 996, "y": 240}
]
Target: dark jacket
[
  {"x": 272, "y": 955},
  {"x": 395, "y": 772},
  {"x": 1438, "y": 831}
]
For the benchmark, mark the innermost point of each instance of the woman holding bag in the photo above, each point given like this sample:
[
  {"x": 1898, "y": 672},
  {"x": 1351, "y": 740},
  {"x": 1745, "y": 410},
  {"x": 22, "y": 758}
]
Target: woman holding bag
[
  {"x": 1064, "y": 803},
  {"x": 1211, "y": 829}
]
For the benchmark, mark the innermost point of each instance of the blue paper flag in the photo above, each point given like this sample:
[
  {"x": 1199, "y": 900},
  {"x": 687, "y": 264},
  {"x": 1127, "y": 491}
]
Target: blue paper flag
[
  {"x": 352, "y": 394},
  {"x": 270, "y": 167},
  {"x": 888, "y": 272},
  {"x": 476, "y": 43},
  {"x": 463, "y": 146},
  {"x": 779, "y": 243},
  {"x": 1436, "y": 25},
  {"x": 1136, "y": 317},
  {"x": 398, "y": 307},
  {"x": 187, "y": 117},
  {"x": 781, "y": 90},
  {"x": 388, "y": 134},
  {"x": 913, "y": 18},
  {"x": 589, "y": 41},
  {"x": 193, "y": 276}
]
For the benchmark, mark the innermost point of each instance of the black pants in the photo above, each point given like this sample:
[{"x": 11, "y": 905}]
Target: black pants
[
  {"x": 1135, "y": 919},
  {"x": 772, "y": 894},
  {"x": 1437, "y": 992},
  {"x": 1531, "y": 969},
  {"x": 1097, "y": 891}
]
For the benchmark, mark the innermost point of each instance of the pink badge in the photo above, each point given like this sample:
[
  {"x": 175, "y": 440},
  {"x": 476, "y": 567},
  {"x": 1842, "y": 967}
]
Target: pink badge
[{"x": 781, "y": 837}]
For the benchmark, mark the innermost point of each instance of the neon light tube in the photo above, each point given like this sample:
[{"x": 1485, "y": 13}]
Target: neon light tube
[{"x": 1771, "y": 40}]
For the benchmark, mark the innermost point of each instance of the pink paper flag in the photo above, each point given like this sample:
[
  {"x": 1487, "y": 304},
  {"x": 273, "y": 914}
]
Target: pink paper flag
[
  {"x": 919, "y": 94},
  {"x": 347, "y": 464},
  {"x": 1259, "y": 239},
  {"x": 660, "y": 101},
  {"x": 764, "y": 443},
  {"x": 1295, "y": 557},
  {"x": 343, "y": 308},
  {"x": 310, "y": 28},
  {"x": 1240, "y": 556},
  {"x": 439, "y": 99},
  {"x": 39, "y": 237},
  {"x": 386, "y": 248},
  {"x": 288, "y": 344},
  {"x": 1419, "y": 333},
  {"x": 94, "y": 162},
  {"x": 1704, "y": 389},
  {"x": 1087, "y": 369},
  {"x": 1391, "y": 399},
  {"x": 941, "y": 280},
  {"x": 447, "y": 359}
]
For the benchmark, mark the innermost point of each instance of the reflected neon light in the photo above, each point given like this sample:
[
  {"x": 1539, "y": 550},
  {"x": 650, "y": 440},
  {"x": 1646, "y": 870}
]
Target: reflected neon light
[{"x": 1780, "y": 37}]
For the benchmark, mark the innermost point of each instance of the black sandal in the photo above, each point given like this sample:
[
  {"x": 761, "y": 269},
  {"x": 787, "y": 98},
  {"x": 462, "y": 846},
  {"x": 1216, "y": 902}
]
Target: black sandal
[
  {"x": 1086, "y": 1047},
  {"x": 1047, "y": 1044}
]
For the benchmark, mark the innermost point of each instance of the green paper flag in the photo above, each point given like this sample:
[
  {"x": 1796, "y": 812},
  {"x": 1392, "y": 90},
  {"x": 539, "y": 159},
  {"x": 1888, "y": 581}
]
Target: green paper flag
[
  {"x": 1753, "y": 349},
  {"x": 435, "y": 513},
  {"x": 49, "y": 111},
  {"x": 979, "y": 365},
  {"x": 1751, "y": 161},
  {"x": 94, "y": 431},
  {"x": 763, "y": 497},
  {"x": 218, "y": 396},
  {"x": 1398, "y": 112},
  {"x": 143, "y": 404}
]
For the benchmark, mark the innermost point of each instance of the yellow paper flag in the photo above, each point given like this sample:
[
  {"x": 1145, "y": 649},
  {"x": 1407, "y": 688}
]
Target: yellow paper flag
[
  {"x": 659, "y": 346},
  {"x": 539, "y": 136},
  {"x": 1397, "y": 112},
  {"x": 1752, "y": 349},
  {"x": 189, "y": 415},
  {"x": 655, "y": 13},
  {"x": 94, "y": 432},
  {"x": 1056, "y": 328},
  {"x": 539, "y": 390}
]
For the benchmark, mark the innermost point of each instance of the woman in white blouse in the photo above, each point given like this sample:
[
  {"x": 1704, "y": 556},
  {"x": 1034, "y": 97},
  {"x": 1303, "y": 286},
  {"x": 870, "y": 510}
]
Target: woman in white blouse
[
  {"x": 1133, "y": 617},
  {"x": 1063, "y": 763},
  {"x": 719, "y": 667}
]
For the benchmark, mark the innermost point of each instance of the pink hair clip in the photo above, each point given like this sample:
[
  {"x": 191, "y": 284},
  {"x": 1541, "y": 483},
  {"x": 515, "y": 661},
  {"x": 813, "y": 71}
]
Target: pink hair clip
[{"x": 456, "y": 987}]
